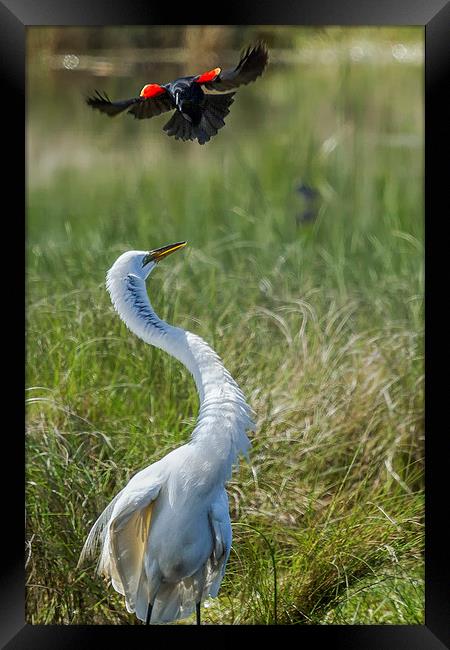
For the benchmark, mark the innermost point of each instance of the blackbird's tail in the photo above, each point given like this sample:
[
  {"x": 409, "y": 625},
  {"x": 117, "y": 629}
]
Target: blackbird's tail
[{"x": 214, "y": 109}]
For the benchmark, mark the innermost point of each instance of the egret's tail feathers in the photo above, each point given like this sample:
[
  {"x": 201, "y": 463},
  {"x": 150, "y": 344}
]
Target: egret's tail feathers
[{"x": 175, "y": 601}]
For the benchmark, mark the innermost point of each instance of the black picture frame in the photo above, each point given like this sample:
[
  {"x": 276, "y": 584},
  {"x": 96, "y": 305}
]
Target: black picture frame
[{"x": 15, "y": 17}]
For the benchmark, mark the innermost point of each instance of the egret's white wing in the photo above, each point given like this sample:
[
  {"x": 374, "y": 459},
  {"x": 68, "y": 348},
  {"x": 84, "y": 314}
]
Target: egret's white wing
[
  {"x": 219, "y": 518},
  {"x": 122, "y": 530},
  {"x": 97, "y": 534},
  {"x": 128, "y": 534},
  {"x": 177, "y": 600}
]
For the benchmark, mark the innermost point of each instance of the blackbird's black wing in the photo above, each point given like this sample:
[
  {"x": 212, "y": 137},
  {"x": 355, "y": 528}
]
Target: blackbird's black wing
[
  {"x": 151, "y": 106},
  {"x": 140, "y": 107},
  {"x": 105, "y": 105},
  {"x": 250, "y": 67}
]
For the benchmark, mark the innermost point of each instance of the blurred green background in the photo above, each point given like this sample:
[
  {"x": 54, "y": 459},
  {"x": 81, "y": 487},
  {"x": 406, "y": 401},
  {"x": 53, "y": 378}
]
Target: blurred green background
[{"x": 304, "y": 219}]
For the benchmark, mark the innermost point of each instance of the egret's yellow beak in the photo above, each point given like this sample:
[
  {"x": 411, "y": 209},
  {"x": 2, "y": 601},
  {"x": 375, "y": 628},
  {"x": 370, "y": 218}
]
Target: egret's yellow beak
[{"x": 158, "y": 254}]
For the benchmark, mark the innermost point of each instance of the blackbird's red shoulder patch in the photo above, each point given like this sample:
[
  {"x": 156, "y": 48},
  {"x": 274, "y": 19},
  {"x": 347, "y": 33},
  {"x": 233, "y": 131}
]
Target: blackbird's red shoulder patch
[
  {"x": 152, "y": 90},
  {"x": 208, "y": 76}
]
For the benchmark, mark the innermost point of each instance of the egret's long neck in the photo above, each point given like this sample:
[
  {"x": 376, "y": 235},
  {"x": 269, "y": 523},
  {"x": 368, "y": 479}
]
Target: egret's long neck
[{"x": 224, "y": 415}]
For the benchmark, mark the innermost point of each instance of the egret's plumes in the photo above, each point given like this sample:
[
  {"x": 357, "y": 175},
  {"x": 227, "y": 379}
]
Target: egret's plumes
[{"x": 165, "y": 538}]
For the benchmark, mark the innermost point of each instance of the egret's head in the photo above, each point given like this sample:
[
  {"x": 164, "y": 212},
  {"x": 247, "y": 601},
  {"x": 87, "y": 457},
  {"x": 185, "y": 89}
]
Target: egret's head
[{"x": 142, "y": 263}]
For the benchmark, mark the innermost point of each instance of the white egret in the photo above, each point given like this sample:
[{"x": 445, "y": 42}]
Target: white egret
[{"x": 165, "y": 537}]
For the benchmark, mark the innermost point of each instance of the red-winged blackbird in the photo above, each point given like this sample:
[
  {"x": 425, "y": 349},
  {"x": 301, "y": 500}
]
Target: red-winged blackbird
[{"x": 201, "y": 102}]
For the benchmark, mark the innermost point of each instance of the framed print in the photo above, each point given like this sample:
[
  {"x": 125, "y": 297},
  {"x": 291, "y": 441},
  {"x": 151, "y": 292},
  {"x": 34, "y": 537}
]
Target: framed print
[{"x": 239, "y": 439}]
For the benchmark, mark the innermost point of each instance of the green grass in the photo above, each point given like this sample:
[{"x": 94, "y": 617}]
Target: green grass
[{"x": 321, "y": 324}]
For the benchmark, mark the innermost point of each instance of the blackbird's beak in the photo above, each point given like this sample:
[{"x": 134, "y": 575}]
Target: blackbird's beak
[{"x": 157, "y": 254}]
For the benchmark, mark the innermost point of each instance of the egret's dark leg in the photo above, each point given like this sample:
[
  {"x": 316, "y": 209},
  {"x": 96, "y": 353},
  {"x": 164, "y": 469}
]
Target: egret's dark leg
[
  {"x": 198, "y": 613},
  {"x": 149, "y": 614}
]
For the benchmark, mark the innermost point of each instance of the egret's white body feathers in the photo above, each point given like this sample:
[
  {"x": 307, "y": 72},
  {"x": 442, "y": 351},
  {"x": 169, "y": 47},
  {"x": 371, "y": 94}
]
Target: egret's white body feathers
[{"x": 166, "y": 537}]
